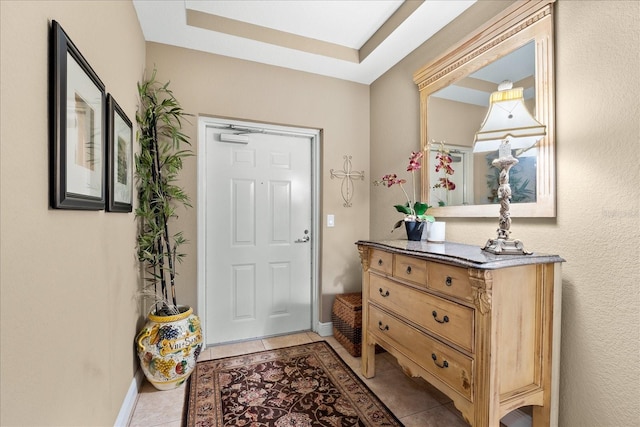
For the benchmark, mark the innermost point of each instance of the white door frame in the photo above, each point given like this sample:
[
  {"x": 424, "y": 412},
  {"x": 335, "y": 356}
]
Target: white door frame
[{"x": 314, "y": 135}]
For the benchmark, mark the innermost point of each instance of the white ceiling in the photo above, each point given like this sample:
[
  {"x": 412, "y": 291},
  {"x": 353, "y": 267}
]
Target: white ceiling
[{"x": 327, "y": 37}]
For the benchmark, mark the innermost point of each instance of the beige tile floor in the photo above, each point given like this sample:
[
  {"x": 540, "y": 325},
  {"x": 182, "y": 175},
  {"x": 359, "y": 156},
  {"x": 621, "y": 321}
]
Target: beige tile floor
[{"x": 412, "y": 400}]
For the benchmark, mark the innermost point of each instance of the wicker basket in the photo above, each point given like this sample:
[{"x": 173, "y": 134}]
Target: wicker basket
[{"x": 347, "y": 322}]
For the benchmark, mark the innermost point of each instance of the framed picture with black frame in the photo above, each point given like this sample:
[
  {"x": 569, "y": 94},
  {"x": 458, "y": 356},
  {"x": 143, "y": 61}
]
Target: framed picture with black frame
[
  {"x": 77, "y": 128},
  {"x": 119, "y": 158}
]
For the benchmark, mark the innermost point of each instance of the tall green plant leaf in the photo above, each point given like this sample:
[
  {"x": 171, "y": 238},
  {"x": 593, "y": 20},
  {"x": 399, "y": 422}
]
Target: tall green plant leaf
[{"x": 158, "y": 164}]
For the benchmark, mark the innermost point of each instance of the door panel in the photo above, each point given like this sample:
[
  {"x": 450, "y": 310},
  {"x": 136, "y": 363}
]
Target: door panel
[
  {"x": 280, "y": 207},
  {"x": 244, "y": 295},
  {"x": 243, "y": 216},
  {"x": 280, "y": 281}
]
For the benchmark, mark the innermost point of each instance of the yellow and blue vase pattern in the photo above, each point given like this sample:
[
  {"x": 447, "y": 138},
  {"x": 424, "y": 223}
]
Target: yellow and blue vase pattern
[{"x": 168, "y": 348}]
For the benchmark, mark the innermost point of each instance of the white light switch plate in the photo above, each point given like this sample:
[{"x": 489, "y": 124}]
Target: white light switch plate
[{"x": 331, "y": 220}]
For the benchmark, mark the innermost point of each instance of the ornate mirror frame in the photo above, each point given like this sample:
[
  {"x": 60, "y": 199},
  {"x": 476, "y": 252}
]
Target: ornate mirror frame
[{"x": 517, "y": 25}]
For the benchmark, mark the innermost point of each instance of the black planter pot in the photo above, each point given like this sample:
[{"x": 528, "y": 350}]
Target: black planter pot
[{"x": 414, "y": 230}]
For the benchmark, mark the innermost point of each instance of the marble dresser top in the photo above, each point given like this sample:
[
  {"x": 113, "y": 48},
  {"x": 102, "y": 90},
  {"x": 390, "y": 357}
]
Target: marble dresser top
[{"x": 459, "y": 254}]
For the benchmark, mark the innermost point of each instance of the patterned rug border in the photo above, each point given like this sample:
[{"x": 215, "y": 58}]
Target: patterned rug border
[{"x": 189, "y": 404}]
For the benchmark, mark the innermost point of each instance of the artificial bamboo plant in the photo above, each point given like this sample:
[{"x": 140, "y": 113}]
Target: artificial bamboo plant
[{"x": 158, "y": 163}]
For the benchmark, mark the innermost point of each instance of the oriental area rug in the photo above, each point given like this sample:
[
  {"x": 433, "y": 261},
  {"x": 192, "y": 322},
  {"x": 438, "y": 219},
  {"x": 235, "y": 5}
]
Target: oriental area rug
[{"x": 301, "y": 386}]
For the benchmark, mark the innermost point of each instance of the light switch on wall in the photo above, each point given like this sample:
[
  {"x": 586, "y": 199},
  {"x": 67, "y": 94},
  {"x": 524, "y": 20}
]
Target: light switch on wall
[{"x": 331, "y": 220}]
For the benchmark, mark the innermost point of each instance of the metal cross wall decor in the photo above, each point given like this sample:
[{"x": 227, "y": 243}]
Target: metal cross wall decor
[{"x": 347, "y": 176}]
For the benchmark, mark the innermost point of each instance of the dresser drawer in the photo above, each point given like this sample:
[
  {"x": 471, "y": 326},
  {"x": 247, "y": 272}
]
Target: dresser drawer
[
  {"x": 451, "y": 321},
  {"x": 381, "y": 261},
  {"x": 449, "y": 365},
  {"x": 411, "y": 269},
  {"x": 449, "y": 280}
]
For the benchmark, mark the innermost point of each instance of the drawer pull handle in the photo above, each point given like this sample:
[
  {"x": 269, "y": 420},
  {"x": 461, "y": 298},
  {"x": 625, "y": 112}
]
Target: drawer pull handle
[
  {"x": 449, "y": 281},
  {"x": 384, "y": 294},
  {"x": 386, "y": 327},
  {"x": 408, "y": 269},
  {"x": 445, "y": 364},
  {"x": 380, "y": 262},
  {"x": 445, "y": 319}
]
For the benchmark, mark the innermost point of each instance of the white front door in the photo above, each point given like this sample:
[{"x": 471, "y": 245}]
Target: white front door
[{"x": 258, "y": 233}]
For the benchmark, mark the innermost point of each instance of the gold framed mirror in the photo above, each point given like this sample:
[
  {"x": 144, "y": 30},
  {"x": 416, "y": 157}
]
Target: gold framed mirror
[{"x": 454, "y": 97}]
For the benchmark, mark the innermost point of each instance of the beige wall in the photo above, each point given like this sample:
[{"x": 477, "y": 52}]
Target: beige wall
[
  {"x": 597, "y": 229},
  {"x": 67, "y": 278},
  {"x": 455, "y": 123},
  {"x": 214, "y": 85}
]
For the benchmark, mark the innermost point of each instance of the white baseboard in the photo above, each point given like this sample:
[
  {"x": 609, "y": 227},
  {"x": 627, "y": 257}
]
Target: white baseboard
[
  {"x": 129, "y": 404},
  {"x": 325, "y": 329}
]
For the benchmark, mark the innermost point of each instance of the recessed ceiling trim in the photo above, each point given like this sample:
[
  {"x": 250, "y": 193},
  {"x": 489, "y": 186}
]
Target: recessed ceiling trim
[
  {"x": 391, "y": 24},
  {"x": 259, "y": 33},
  {"x": 165, "y": 22}
]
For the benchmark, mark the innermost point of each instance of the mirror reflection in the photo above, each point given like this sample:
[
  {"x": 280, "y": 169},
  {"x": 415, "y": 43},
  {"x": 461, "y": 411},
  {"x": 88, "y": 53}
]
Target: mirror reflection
[
  {"x": 455, "y": 90},
  {"x": 457, "y": 176}
]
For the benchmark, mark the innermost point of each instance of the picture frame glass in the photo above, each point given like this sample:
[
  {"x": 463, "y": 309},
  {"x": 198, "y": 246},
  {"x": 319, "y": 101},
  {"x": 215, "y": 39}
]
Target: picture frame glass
[
  {"x": 84, "y": 153},
  {"x": 122, "y": 160}
]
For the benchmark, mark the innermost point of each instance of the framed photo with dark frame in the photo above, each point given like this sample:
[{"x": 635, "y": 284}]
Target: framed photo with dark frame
[
  {"x": 119, "y": 158},
  {"x": 77, "y": 126}
]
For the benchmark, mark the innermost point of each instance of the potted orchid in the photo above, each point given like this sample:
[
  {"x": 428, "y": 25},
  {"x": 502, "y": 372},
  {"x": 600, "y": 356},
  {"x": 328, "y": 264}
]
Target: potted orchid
[{"x": 415, "y": 212}]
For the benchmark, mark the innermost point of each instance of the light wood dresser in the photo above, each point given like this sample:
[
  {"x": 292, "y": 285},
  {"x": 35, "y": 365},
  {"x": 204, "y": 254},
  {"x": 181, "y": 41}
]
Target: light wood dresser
[{"x": 484, "y": 329}]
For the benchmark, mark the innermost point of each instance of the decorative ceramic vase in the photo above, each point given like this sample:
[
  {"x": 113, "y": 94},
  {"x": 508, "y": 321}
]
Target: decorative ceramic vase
[
  {"x": 414, "y": 229},
  {"x": 168, "y": 348}
]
